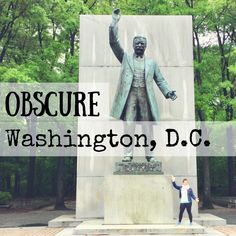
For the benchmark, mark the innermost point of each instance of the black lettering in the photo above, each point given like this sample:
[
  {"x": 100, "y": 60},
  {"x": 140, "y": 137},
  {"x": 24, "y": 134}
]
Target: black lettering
[
  {"x": 26, "y": 100},
  {"x": 13, "y": 136},
  {"x": 138, "y": 137},
  {"x": 7, "y": 104},
  {"x": 169, "y": 131},
  {"x": 64, "y": 106},
  {"x": 27, "y": 140},
  {"x": 99, "y": 138},
  {"x": 153, "y": 145},
  {"x": 36, "y": 96},
  {"x": 80, "y": 138},
  {"x": 68, "y": 135},
  {"x": 129, "y": 141},
  {"x": 93, "y": 104},
  {"x": 111, "y": 135},
  {"x": 47, "y": 103},
  {"x": 199, "y": 131},
  {"x": 79, "y": 103},
  {"x": 52, "y": 137},
  {"x": 41, "y": 138}
]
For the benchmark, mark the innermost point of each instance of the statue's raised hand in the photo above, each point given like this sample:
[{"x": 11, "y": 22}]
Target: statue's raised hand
[{"x": 115, "y": 16}]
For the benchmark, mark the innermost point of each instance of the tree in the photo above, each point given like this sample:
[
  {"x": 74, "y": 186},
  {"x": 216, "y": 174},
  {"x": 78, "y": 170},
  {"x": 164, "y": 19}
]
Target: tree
[{"x": 39, "y": 42}]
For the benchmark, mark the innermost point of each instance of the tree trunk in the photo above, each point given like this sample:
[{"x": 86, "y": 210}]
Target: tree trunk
[
  {"x": 32, "y": 158},
  {"x": 60, "y": 191},
  {"x": 1, "y": 184},
  {"x": 230, "y": 161},
  {"x": 53, "y": 179},
  {"x": 8, "y": 183},
  {"x": 60, "y": 204},
  {"x": 17, "y": 184},
  {"x": 72, "y": 43},
  {"x": 207, "y": 202},
  {"x": 74, "y": 174},
  {"x": 225, "y": 52},
  {"x": 30, "y": 177}
]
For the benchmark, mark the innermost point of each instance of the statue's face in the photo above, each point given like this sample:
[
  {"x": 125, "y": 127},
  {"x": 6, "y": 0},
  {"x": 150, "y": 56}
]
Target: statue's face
[{"x": 139, "y": 45}]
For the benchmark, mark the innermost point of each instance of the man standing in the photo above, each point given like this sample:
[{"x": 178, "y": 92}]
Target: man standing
[
  {"x": 186, "y": 195},
  {"x": 135, "y": 98}
]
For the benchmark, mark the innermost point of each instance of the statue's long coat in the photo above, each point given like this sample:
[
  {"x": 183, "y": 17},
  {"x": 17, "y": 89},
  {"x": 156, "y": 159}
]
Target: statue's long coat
[{"x": 152, "y": 72}]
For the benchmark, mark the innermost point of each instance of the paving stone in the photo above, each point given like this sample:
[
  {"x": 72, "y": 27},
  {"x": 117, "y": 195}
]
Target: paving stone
[{"x": 30, "y": 231}]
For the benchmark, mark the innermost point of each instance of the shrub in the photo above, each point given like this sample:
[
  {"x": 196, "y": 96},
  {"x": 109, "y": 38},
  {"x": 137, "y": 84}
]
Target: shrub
[{"x": 5, "y": 198}]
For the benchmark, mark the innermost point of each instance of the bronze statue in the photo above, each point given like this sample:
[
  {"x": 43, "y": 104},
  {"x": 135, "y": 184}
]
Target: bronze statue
[{"x": 135, "y": 98}]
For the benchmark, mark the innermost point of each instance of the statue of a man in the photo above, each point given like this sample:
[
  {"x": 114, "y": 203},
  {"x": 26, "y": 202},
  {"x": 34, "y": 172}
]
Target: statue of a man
[{"x": 135, "y": 98}]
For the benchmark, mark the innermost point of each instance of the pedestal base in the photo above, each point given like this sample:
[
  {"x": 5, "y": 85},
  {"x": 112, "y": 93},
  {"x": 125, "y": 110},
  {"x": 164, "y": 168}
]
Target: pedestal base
[
  {"x": 98, "y": 227},
  {"x": 138, "y": 199},
  {"x": 204, "y": 219}
]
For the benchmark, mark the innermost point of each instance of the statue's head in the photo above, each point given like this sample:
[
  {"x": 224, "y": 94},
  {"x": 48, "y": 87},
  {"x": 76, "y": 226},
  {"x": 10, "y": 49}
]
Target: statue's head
[{"x": 139, "y": 45}]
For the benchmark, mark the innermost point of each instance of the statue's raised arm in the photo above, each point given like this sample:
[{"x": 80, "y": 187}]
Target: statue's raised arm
[{"x": 113, "y": 36}]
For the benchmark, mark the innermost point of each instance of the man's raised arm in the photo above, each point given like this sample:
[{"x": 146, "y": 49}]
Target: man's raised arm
[{"x": 113, "y": 36}]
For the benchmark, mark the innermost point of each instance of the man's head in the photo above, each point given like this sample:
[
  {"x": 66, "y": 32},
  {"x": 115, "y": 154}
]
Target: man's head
[
  {"x": 185, "y": 182},
  {"x": 139, "y": 45}
]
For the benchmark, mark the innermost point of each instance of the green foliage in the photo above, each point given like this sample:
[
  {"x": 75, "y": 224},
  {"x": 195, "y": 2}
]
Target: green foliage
[
  {"x": 219, "y": 175},
  {"x": 44, "y": 46},
  {"x": 5, "y": 198},
  {"x": 39, "y": 42},
  {"x": 232, "y": 67}
]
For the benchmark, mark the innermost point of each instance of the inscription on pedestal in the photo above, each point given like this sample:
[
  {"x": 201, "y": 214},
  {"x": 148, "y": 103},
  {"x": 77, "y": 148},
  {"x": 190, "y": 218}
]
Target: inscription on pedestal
[{"x": 138, "y": 168}]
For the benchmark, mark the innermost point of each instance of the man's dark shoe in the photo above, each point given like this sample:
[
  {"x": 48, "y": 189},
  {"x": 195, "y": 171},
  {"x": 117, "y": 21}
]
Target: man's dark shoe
[
  {"x": 150, "y": 159},
  {"x": 127, "y": 159}
]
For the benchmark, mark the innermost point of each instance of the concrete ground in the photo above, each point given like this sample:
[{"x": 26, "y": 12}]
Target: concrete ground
[
  {"x": 11, "y": 218},
  {"x": 26, "y": 218},
  {"x": 227, "y": 213},
  {"x": 29, "y": 218},
  {"x": 229, "y": 230},
  {"x": 12, "y": 223},
  {"x": 30, "y": 231}
]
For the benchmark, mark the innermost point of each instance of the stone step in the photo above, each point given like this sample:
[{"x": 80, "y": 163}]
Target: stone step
[
  {"x": 209, "y": 232},
  {"x": 64, "y": 221},
  {"x": 95, "y": 227},
  {"x": 204, "y": 219}
]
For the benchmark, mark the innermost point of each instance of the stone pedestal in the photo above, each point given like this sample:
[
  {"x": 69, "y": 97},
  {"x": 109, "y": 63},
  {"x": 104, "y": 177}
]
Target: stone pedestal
[
  {"x": 170, "y": 45},
  {"x": 138, "y": 199}
]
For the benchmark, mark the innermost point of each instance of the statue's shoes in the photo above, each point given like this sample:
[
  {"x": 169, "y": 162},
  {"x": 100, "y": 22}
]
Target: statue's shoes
[
  {"x": 127, "y": 159},
  {"x": 150, "y": 159}
]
